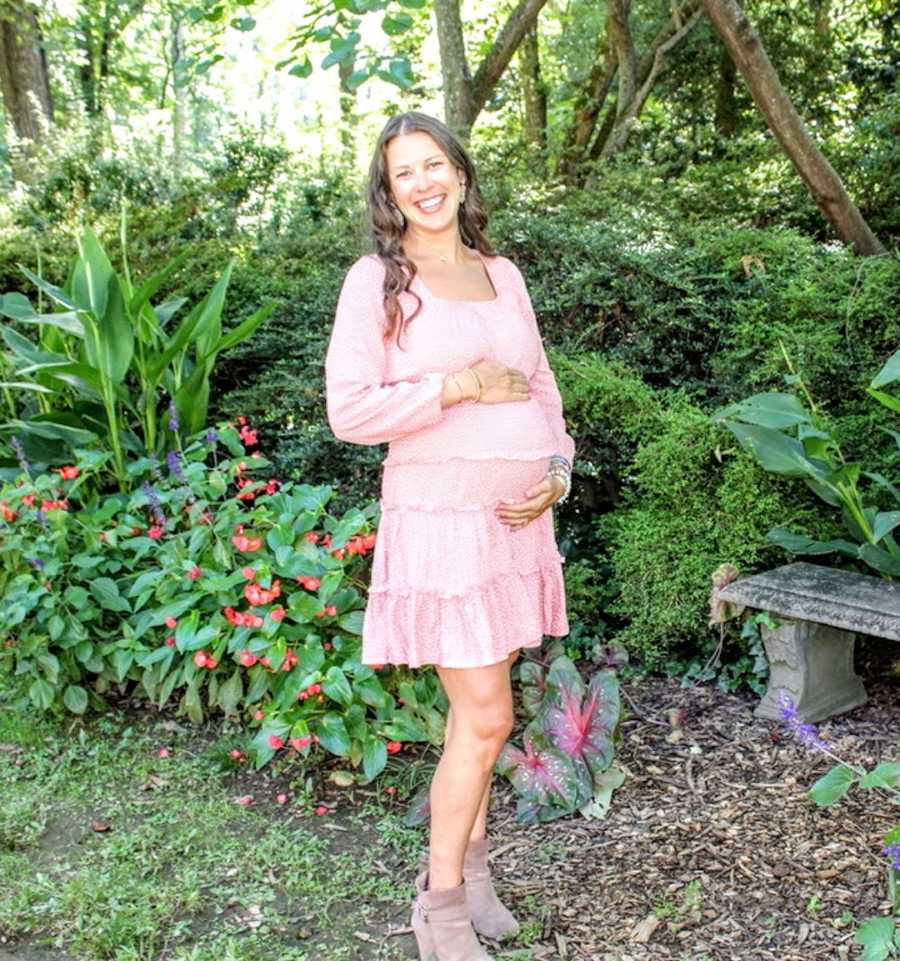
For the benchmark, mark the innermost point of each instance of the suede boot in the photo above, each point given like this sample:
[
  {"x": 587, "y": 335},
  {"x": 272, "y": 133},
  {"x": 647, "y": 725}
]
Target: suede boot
[
  {"x": 442, "y": 925},
  {"x": 489, "y": 916}
]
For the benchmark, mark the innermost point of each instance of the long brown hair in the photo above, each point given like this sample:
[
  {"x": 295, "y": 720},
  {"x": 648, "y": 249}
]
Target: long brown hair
[{"x": 383, "y": 221}]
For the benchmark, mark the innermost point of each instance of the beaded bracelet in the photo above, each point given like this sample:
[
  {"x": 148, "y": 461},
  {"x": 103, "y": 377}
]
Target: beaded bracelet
[{"x": 557, "y": 470}]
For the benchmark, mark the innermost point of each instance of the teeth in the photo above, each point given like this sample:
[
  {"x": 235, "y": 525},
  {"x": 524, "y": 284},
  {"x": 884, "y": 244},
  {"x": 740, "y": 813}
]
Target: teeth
[{"x": 431, "y": 204}]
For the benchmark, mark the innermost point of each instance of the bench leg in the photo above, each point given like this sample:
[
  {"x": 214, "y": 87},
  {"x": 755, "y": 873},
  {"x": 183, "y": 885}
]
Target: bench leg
[{"x": 814, "y": 664}]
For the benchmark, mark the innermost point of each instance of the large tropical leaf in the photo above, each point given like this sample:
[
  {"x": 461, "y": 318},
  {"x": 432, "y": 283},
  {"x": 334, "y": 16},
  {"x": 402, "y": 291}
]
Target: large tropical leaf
[
  {"x": 582, "y": 726},
  {"x": 766, "y": 410},
  {"x": 542, "y": 773}
]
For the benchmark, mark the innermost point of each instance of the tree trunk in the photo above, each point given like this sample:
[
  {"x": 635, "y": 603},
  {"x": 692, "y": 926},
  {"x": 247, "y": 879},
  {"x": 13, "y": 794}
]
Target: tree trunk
[
  {"x": 824, "y": 184},
  {"x": 179, "y": 98},
  {"x": 620, "y": 120},
  {"x": 459, "y": 107},
  {"x": 24, "y": 78},
  {"x": 588, "y": 110},
  {"x": 627, "y": 114},
  {"x": 534, "y": 94},
  {"x": 348, "y": 111},
  {"x": 726, "y": 119},
  {"x": 466, "y": 94}
]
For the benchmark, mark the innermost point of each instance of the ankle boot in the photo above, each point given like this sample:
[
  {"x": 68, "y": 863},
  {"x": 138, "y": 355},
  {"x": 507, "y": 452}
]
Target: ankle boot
[
  {"x": 442, "y": 925},
  {"x": 489, "y": 916}
]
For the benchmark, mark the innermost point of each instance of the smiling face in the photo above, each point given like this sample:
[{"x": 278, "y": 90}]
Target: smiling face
[{"x": 424, "y": 183}]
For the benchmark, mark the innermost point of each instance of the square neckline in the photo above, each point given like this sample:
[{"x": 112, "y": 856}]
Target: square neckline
[{"x": 446, "y": 300}]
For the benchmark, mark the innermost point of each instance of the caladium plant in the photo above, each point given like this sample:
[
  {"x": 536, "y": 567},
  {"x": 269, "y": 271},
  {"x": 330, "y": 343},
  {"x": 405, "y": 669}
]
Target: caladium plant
[{"x": 568, "y": 746}]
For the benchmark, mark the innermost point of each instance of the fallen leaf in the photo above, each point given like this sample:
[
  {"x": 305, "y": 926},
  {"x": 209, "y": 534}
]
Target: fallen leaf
[
  {"x": 643, "y": 930},
  {"x": 99, "y": 826}
]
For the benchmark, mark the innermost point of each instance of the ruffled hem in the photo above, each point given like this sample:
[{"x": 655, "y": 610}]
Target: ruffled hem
[{"x": 481, "y": 627}]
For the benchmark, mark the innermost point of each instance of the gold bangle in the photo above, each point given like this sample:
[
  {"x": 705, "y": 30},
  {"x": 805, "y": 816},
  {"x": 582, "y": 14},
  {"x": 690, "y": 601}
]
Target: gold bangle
[
  {"x": 462, "y": 395},
  {"x": 477, "y": 397}
]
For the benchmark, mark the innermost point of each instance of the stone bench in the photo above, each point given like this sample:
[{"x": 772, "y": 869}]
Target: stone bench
[{"x": 820, "y": 611}]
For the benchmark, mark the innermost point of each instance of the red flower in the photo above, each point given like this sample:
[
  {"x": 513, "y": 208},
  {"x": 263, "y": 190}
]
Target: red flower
[
  {"x": 321, "y": 809},
  {"x": 282, "y": 798},
  {"x": 28, "y": 499},
  {"x": 170, "y": 640},
  {"x": 275, "y": 741},
  {"x": 247, "y": 658},
  {"x": 311, "y": 536},
  {"x": 299, "y": 743},
  {"x": 258, "y": 715},
  {"x": 68, "y": 473},
  {"x": 200, "y": 658},
  {"x": 272, "y": 486},
  {"x": 393, "y": 747},
  {"x": 248, "y": 544},
  {"x": 236, "y": 754},
  {"x": 277, "y": 613},
  {"x": 331, "y": 610},
  {"x": 155, "y": 532},
  {"x": 369, "y": 541},
  {"x": 170, "y": 622},
  {"x": 194, "y": 573},
  {"x": 248, "y": 573}
]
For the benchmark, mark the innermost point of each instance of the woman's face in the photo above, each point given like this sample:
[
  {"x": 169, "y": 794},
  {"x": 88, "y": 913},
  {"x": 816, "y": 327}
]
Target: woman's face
[{"x": 424, "y": 183}]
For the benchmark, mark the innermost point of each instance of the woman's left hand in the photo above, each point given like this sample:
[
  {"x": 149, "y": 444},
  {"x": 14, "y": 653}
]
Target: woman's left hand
[{"x": 540, "y": 497}]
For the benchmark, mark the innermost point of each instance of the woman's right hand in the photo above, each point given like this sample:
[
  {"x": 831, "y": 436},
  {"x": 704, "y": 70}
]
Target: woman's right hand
[{"x": 499, "y": 383}]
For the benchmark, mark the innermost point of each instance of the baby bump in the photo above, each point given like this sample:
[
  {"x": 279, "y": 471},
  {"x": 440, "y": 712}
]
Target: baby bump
[{"x": 460, "y": 483}]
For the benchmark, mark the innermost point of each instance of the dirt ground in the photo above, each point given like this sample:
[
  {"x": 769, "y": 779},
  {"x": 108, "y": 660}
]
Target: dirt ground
[{"x": 711, "y": 849}]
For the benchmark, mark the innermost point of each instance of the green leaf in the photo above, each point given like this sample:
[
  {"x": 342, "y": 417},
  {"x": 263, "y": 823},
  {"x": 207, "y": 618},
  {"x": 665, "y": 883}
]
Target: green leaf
[
  {"x": 75, "y": 698},
  {"x": 244, "y": 329},
  {"x": 886, "y": 775},
  {"x": 92, "y": 274},
  {"x": 54, "y": 293},
  {"x": 302, "y": 70},
  {"x": 877, "y": 937},
  {"x": 801, "y": 544},
  {"x": 41, "y": 693},
  {"x": 774, "y": 451},
  {"x": 374, "y": 756},
  {"x": 244, "y": 24},
  {"x": 880, "y": 560},
  {"x": 832, "y": 786},
  {"x": 399, "y": 73},
  {"x": 889, "y": 373},
  {"x": 121, "y": 662},
  {"x": 892, "y": 403},
  {"x": 231, "y": 693},
  {"x": 766, "y": 410},
  {"x": 333, "y": 735},
  {"x": 396, "y": 24},
  {"x": 885, "y": 522},
  {"x": 106, "y": 591},
  {"x": 337, "y": 687}
]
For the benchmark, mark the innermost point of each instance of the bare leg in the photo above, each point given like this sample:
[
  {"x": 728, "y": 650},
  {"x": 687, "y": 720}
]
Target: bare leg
[
  {"x": 479, "y": 829},
  {"x": 482, "y": 708}
]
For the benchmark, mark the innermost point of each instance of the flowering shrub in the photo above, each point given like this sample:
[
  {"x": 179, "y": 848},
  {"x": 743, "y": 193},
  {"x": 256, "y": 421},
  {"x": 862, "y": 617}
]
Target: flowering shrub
[
  {"x": 879, "y": 936},
  {"x": 207, "y": 584}
]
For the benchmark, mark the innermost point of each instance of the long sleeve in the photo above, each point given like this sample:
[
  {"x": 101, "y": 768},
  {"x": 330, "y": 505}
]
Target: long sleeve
[
  {"x": 361, "y": 407},
  {"x": 543, "y": 382}
]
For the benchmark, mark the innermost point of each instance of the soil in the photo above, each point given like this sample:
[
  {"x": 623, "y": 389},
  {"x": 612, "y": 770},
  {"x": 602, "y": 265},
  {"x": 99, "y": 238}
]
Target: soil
[{"x": 711, "y": 850}]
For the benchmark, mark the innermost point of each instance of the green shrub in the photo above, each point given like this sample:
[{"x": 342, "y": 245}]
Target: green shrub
[
  {"x": 209, "y": 588},
  {"x": 696, "y": 501}
]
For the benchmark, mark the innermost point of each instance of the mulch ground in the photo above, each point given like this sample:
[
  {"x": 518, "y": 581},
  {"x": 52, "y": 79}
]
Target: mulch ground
[{"x": 711, "y": 850}]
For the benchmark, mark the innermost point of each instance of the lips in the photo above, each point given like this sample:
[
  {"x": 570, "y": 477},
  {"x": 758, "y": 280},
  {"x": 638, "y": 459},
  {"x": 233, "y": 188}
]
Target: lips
[{"x": 433, "y": 203}]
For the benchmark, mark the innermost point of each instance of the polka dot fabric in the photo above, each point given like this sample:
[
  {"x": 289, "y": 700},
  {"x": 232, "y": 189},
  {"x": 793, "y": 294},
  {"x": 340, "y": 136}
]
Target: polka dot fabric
[{"x": 451, "y": 584}]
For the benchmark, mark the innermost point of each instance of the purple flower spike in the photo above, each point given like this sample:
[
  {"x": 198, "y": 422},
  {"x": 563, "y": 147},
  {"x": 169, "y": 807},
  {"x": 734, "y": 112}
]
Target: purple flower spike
[
  {"x": 36, "y": 563},
  {"x": 155, "y": 507},
  {"x": 805, "y": 733},
  {"x": 893, "y": 852},
  {"x": 16, "y": 445},
  {"x": 173, "y": 417},
  {"x": 212, "y": 435},
  {"x": 173, "y": 459}
]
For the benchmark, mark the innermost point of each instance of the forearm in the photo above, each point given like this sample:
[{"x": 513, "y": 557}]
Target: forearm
[{"x": 460, "y": 385}]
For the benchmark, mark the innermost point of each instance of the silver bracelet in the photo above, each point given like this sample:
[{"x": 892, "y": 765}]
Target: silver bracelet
[{"x": 557, "y": 470}]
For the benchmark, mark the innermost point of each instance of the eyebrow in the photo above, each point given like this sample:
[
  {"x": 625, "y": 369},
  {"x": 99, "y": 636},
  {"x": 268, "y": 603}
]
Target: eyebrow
[{"x": 436, "y": 156}]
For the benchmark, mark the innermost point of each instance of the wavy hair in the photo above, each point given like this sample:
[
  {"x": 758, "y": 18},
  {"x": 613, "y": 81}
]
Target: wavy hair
[{"x": 386, "y": 225}]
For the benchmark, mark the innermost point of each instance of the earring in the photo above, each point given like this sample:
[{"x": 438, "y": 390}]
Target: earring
[{"x": 462, "y": 194}]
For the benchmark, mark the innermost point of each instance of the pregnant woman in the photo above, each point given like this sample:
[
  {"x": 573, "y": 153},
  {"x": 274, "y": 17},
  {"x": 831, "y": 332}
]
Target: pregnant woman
[{"x": 435, "y": 350}]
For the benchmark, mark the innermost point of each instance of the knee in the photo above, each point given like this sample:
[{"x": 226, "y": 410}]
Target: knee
[{"x": 492, "y": 727}]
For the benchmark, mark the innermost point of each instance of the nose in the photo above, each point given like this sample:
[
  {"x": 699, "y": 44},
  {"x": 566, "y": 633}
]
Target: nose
[{"x": 423, "y": 181}]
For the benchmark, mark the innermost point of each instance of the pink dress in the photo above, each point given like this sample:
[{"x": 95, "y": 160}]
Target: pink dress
[{"x": 451, "y": 584}]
